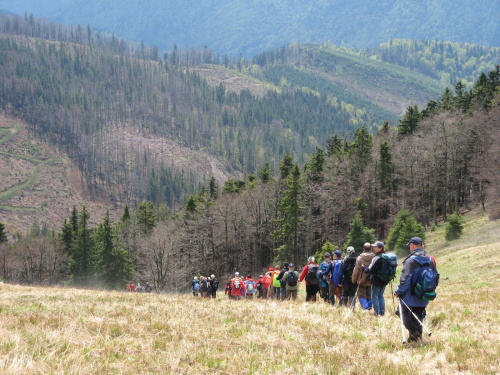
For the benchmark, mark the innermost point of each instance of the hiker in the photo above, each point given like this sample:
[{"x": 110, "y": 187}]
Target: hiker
[
  {"x": 259, "y": 285},
  {"x": 381, "y": 272},
  {"x": 361, "y": 280},
  {"x": 139, "y": 288},
  {"x": 249, "y": 286},
  {"x": 280, "y": 278},
  {"x": 348, "y": 292},
  {"x": 276, "y": 284},
  {"x": 237, "y": 286},
  {"x": 418, "y": 271},
  {"x": 267, "y": 283},
  {"x": 203, "y": 286},
  {"x": 332, "y": 274},
  {"x": 291, "y": 278},
  {"x": 209, "y": 287},
  {"x": 131, "y": 287},
  {"x": 148, "y": 288},
  {"x": 227, "y": 292},
  {"x": 324, "y": 285},
  {"x": 310, "y": 275},
  {"x": 214, "y": 285}
]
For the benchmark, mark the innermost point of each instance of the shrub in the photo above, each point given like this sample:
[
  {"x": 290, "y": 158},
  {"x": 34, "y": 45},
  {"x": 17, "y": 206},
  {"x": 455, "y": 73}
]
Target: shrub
[{"x": 455, "y": 227}]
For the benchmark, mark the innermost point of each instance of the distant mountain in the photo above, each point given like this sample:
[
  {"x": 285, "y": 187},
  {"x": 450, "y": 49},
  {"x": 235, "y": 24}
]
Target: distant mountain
[{"x": 235, "y": 27}]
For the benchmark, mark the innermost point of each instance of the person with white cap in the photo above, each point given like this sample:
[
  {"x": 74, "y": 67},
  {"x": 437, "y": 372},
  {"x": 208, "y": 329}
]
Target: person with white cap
[
  {"x": 310, "y": 275},
  {"x": 214, "y": 285},
  {"x": 378, "y": 285},
  {"x": 237, "y": 286}
]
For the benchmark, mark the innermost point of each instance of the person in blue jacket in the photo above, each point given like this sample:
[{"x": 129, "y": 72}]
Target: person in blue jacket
[
  {"x": 411, "y": 264},
  {"x": 332, "y": 274}
]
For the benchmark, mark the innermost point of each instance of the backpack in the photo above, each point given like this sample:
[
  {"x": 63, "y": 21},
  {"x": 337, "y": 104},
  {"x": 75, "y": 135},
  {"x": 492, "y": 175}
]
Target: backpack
[
  {"x": 312, "y": 276},
  {"x": 250, "y": 286},
  {"x": 426, "y": 282},
  {"x": 215, "y": 285},
  {"x": 237, "y": 283},
  {"x": 260, "y": 286},
  {"x": 388, "y": 270},
  {"x": 196, "y": 285},
  {"x": 349, "y": 264},
  {"x": 276, "y": 282},
  {"x": 335, "y": 271},
  {"x": 292, "y": 278}
]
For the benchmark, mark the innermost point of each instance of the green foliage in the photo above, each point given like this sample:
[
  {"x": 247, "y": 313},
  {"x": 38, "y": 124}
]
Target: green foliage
[
  {"x": 82, "y": 261},
  {"x": 408, "y": 125},
  {"x": 3, "y": 235},
  {"x": 327, "y": 247},
  {"x": 265, "y": 174},
  {"x": 385, "y": 167},
  {"x": 455, "y": 227},
  {"x": 405, "y": 227},
  {"x": 359, "y": 234},
  {"x": 114, "y": 264},
  {"x": 146, "y": 217}
]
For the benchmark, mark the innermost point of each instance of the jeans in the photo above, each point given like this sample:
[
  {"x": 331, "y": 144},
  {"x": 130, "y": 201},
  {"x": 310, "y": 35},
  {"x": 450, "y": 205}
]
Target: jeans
[{"x": 378, "y": 299}]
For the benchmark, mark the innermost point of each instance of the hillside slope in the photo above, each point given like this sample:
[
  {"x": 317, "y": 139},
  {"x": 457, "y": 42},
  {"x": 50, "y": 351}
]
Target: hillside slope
[
  {"x": 236, "y": 26},
  {"x": 85, "y": 331}
]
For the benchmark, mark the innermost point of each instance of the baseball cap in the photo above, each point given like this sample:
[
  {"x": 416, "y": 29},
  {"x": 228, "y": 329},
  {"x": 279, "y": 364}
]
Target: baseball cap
[
  {"x": 291, "y": 265},
  {"x": 338, "y": 253},
  {"x": 415, "y": 240},
  {"x": 326, "y": 255},
  {"x": 378, "y": 244}
]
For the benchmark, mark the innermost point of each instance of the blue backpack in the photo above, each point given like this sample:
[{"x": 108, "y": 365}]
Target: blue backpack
[
  {"x": 387, "y": 271},
  {"x": 426, "y": 282}
]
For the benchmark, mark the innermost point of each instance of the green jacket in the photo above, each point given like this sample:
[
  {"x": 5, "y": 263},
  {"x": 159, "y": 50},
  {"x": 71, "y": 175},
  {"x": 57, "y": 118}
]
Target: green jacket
[{"x": 288, "y": 286}]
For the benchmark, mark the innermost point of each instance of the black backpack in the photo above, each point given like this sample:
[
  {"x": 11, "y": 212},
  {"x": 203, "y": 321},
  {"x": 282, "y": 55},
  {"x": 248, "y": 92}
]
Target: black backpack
[
  {"x": 216, "y": 284},
  {"x": 292, "y": 278},
  {"x": 349, "y": 264},
  {"x": 260, "y": 286},
  {"x": 312, "y": 276}
]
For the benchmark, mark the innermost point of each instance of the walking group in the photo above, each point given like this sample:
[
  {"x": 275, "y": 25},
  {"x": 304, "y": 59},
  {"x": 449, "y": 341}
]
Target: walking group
[{"x": 362, "y": 277}]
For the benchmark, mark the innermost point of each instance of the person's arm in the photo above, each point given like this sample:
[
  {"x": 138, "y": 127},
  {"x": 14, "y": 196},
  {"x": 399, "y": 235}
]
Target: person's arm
[
  {"x": 373, "y": 268},
  {"x": 355, "y": 273},
  {"x": 406, "y": 276},
  {"x": 303, "y": 274},
  {"x": 327, "y": 270}
]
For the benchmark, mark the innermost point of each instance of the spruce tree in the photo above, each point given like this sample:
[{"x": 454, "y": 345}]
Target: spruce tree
[
  {"x": 292, "y": 215},
  {"x": 146, "y": 218},
  {"x": 265, "y": 173},
  {"x": 385, "y": 167},
  {"x": 3, "y": 235},
  {"x": 82, "y": 259},
  {"x": 114, "y": 265},
  {"x": 359, "y": 234},
  {"x": 408, "y": 125},
  {"x": 286, "y": 165}
]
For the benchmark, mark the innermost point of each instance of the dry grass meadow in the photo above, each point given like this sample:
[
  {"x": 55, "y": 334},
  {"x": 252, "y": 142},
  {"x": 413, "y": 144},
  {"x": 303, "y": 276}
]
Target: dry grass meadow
[{"x": 70, "y": 331}]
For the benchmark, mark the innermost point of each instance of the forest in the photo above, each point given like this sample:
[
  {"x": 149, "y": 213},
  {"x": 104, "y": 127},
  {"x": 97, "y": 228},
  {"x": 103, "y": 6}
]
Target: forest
[
  {"x": 437, "y": 163},
  {"x": 307, "y": 170}
]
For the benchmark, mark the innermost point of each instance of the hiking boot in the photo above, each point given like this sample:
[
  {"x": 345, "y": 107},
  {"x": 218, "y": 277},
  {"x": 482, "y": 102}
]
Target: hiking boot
[{"x": 414, "y": 337}]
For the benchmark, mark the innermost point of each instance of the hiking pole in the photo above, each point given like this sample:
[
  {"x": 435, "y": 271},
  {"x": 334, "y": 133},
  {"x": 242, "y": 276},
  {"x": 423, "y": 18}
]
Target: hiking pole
[
  {"x": 353, "y": 302},
  {"x": 416, "y": 317},
  {"x": 402, "y": 325}
]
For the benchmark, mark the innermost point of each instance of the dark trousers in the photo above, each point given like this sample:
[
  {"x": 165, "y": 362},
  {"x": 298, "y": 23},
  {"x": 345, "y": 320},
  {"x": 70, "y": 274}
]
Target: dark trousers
[
  {"x": 411, "y": 323},
  {"x": 311, "y": 291}
]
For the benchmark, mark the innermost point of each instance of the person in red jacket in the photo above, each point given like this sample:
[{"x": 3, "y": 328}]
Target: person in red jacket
[
  {"x": 310, "y": 275},
  {"x": 237, "y": 286},
  {"x": 267, "y": 282},
  {"x": 131, "y": 287}
]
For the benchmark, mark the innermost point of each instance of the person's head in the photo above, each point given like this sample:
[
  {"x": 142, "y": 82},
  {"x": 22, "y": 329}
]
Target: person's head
[
  {"x": 350, "y": 250},
  {"x": 378, "y": 247},
  {"x": 415, "y": 243},
  {"x": 277, "y": 267},
  {"x": 271, "y": 269},
  {"x": 367, "y": 247},
  {"x": 326, "y": 256},
  {"x": 286, "y": 265},
  {"x": 249, "y": 276},
  {"x": 236, "y": 274},
  {"x": 261, "y": 276},
  {"x": 337, "y": 254},
  {"x": 213, "y": 277},
  {"x": 291, "y": 266},
  {"x": 310, "y": 260}
]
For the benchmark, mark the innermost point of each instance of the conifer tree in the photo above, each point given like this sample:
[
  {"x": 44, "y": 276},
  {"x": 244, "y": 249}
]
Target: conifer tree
[
  {"x": 385, "y": 167},
  {"x": 3, "y": 235},
  {"x": 265, "y": 173},
  {"x": 146, "y": 218},
  {"x": 286, "y": 165},
  {"x": 292, "y": 214},
  {"x": 213, "y": 188},
  {"x": 67, "y": 235},
  {"x": 115, "y": 265},
  {"x": 334, "y": 145},
  {"x": 408, "y": 125},
  {"x": 359, "y": 234},
  {"x": 82, "y": 251}
]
